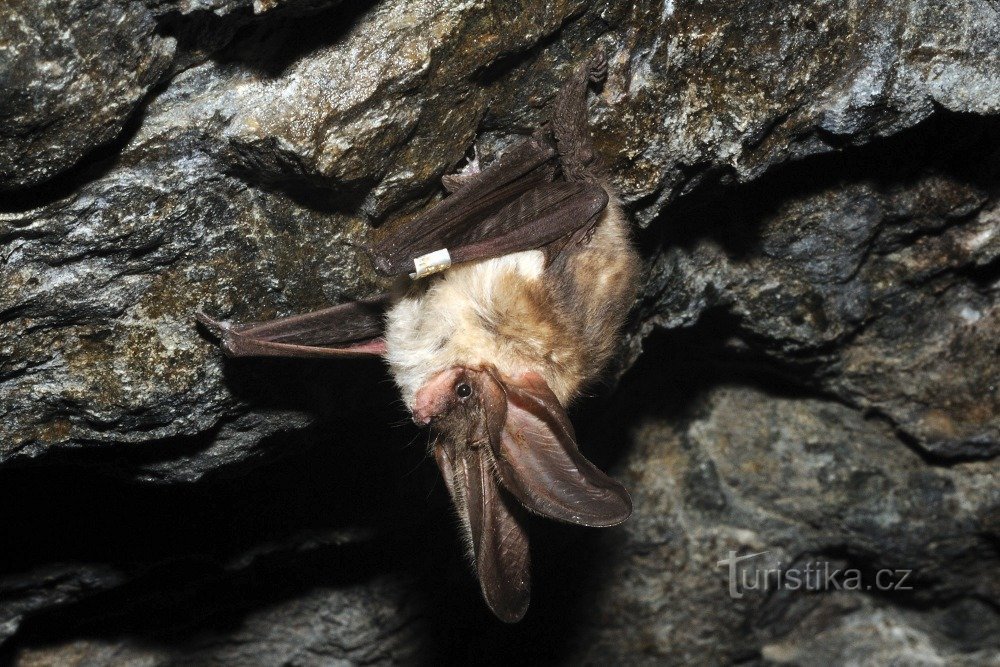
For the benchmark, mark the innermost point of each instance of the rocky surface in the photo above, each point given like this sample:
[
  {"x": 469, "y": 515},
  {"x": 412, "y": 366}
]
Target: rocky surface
[
  {"x": 812, "y": 369},
  {"x": 73, "y": 74}
]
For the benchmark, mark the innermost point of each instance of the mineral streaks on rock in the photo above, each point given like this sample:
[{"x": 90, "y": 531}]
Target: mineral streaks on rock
[
  {"x": 814, "y": 355},
  {"x": 743, "y": 87},
  {"x": 874, "y": 292},
  {"x": 73, "y": 73}
]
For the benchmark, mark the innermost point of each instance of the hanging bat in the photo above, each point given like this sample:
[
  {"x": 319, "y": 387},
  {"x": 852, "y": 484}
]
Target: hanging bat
[{"x": 520, "y": 281}]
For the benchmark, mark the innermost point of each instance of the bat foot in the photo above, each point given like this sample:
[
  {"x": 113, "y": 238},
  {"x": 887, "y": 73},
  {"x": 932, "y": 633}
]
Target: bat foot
[{"x": 598, "y": 66}]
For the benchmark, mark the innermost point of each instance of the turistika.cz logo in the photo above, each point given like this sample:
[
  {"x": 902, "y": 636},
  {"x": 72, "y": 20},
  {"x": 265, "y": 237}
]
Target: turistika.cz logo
[{"x": 747, "y": 574}]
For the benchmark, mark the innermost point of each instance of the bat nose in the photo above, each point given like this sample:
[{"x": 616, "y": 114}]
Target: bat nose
[
  {"x": 424, "y": 409},
  {"x": 421, "y": 419},
  {"x": 434, "y": 397}
]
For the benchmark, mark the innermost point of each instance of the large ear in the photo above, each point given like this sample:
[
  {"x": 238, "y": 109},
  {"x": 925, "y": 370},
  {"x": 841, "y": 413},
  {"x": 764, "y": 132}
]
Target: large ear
[
  {"x": 499, "y": 541},
  {"x": 540, "y": 464}
]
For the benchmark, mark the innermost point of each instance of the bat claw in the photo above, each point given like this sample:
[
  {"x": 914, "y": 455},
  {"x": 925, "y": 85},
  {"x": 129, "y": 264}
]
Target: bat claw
[
  {"x": 382, "y": 265},
  {"x": 216, "y": 327}
]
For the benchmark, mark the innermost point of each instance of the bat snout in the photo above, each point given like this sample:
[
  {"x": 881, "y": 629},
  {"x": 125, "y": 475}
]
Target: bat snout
[
  {"x": 424, "y": 411},
  {"x": 435, "y": 397},
  {"x": 421, "y": 418}
]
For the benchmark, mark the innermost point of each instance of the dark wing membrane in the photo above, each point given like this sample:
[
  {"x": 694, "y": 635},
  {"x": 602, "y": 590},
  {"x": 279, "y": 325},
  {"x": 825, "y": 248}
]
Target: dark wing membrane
[
  {"x": 518, "y": 170},
  {"x": 539, "y": 217},
  {"x": 348, "y": 330}
]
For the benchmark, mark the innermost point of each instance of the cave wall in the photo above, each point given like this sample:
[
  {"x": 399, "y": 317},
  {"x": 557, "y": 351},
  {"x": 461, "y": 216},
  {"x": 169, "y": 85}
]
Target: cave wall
[{"x": 811, "y": 370}]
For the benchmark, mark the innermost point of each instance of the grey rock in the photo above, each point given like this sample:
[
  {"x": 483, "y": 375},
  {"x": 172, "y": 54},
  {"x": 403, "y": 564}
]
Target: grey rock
[
  {"x": 73, "y": 74},
  {"x": 869, "y": 635},
  {"x": 51, "y": 586},
  {"x": 866, "y": 289},
  {"x": 802, "y": 482},
  {"x": 225, "y": 8},
  {"x": 811, "y": 370},
  {"x": 334, "y": 627}
]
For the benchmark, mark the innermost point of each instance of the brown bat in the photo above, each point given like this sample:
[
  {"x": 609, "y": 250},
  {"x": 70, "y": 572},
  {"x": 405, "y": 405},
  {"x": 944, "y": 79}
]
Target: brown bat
[{"x": 520, "y": 281}]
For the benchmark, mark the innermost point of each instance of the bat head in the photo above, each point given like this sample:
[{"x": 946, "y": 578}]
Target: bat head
[{"x": 505, "y": 445}]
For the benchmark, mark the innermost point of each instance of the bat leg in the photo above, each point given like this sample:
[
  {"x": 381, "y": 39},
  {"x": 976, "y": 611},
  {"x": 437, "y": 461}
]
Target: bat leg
[
  {"x": 581, "y": 237},
  {"x": 580, "y": 161}
]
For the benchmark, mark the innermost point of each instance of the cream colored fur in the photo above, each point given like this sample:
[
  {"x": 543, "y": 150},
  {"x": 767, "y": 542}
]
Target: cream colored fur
[{"x": 512, "y": 313}]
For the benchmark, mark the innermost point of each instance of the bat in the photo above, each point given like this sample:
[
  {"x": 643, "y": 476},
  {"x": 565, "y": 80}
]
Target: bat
[{"x": 519, "y": 284}]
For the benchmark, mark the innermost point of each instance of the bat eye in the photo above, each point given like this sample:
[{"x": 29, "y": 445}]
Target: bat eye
[{"x": 463, "y": 390}]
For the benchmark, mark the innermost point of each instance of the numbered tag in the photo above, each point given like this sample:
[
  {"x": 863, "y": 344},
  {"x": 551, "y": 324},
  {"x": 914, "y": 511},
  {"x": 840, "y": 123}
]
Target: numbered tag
[{"x": 431, "y": 263}]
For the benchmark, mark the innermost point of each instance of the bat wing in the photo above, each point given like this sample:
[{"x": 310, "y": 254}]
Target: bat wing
[
  {"x": 539, "y": 217},
  {"x": 542, "y": 214},
  {"x": 470, "y": 213},
  {"x": 513, "y": 205},
  {"x": 349, "y": 330}
]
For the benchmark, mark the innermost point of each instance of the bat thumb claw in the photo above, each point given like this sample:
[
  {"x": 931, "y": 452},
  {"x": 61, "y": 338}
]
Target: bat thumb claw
[
  {"x": 382, "y": 265},
  {"x": 216, "y": 327}
]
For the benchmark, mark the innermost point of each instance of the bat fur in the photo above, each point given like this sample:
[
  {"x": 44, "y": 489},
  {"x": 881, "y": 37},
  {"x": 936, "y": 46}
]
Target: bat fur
[
  {"x": 518, "y": 315},
  {"x": 490, "y": 352}
]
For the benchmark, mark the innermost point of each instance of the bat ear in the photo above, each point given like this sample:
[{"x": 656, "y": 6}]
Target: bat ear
[
  {"x": 540, "y": 464},
  {"x": 499, "y": 540}
]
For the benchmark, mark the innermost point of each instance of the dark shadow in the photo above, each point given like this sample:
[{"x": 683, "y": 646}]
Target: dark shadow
[
  {"x": 202, "y": 31},
  {"x": 270, "y": 47},
  {"x": 178, "y": 546},
  {"x": 310, "y": 192},
  {"x": 347, "y": 469},
  {"x": 501, "y": 68},
  {"x": 731, "y": 213}
]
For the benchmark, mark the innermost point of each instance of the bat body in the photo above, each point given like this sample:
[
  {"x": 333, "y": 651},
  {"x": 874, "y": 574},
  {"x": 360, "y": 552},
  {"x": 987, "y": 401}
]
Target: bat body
[
  {"x": 531, "y": 276},
  {"x": 517, "y": 313}
]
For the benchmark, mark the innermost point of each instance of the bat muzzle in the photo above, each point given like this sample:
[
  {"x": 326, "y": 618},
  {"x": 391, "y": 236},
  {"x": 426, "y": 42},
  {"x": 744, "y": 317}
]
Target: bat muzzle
[{"x": 436, "y": 397}]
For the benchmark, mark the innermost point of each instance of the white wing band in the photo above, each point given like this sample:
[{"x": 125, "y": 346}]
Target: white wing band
[{"x": 432, "y": 262}]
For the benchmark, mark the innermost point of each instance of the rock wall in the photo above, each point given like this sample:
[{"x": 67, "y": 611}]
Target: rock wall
[{"x": 811, "y": 371}]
